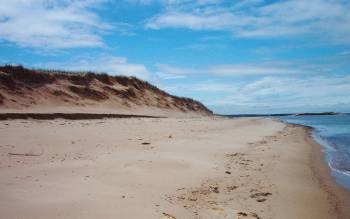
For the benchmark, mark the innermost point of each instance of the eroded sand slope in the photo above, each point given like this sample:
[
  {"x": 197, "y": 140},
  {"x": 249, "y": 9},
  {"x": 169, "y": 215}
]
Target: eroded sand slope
[{"x": 41, "y": 91}]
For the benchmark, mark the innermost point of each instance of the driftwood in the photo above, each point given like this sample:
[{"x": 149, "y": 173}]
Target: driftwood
[{"x": 26, "y": 154}]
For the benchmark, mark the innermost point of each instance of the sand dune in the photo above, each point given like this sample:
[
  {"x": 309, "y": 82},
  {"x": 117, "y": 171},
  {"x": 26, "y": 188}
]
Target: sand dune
[{"x": 42, "y": 91}]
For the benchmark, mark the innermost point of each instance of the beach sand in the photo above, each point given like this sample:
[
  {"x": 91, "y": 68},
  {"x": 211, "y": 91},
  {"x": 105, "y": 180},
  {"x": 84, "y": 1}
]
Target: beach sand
[{"x": 164, "y": 168}]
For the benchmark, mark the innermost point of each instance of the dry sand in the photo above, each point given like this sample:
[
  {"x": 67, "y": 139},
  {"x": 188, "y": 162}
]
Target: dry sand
[{"x": 164, "y": 168}]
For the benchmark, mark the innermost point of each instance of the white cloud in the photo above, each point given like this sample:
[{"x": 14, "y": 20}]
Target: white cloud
[
  {"x": 166, "y": 76},
  {"x": 51, "y": 24},
  {"x": 192, "y": 21},
  {"x": 247, "y": 3},
  {"x": 112, "y": 65},
  {"x": 175, "y": 2},
  {"x": 271, "y": 94},
  {"x": 228, "y": 70},
  {"x": 214, "y": 87},
  {"x": 206, "y": 87},
  {"x": 289, "y": 92},
  {"x": 328, "y": 19}
]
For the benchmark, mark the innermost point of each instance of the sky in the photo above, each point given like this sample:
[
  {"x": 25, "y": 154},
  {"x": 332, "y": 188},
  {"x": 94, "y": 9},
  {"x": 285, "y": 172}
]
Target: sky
[{"x": 238, "y": 56}]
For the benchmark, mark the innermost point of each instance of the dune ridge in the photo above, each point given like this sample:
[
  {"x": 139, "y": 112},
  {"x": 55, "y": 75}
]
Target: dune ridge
[{"x": 25, "y": 89}]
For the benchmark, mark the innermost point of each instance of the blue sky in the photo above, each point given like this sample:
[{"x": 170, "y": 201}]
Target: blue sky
[{"x": 238, "y": 56}]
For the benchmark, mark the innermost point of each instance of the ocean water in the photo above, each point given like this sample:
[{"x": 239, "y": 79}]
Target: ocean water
[{"x": 333, "y": 133}]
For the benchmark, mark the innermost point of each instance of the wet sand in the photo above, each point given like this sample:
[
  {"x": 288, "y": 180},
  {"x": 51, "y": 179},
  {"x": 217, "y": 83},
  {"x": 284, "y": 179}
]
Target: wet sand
[{"x": 164, "y": 168}]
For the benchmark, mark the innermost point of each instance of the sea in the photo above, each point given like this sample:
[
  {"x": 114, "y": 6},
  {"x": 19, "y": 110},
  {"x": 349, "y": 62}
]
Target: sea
[{"x": 333, "y": 133}]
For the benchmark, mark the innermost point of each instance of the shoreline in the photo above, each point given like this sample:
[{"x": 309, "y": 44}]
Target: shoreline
[
  {"x": 246, "y": 168},
  {"x": 338, "y": 195}
]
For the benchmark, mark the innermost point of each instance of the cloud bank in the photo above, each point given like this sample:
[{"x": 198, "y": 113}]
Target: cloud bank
[
  {"x": 51, "y": 24},
  {"x": 328, "y": 19}
]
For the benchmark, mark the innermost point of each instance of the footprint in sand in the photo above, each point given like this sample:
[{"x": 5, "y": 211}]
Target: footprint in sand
[
  {"x": 247, "y": 215},
  {"x": 168, "y": 216},
  {"x": 261, "y": 199},
  {"x": 214, "y": 189},
  {"x": 235, "y": 155},
  {"x": 231, "y": 188},
  {"x": 260, "y": 196}
]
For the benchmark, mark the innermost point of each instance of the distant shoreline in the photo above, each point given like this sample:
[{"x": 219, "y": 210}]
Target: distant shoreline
[{"x": 285, "y": 114}]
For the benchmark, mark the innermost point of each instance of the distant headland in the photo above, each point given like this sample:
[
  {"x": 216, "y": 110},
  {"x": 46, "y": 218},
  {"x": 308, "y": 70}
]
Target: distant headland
[{"x": 318, "y": 114}]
